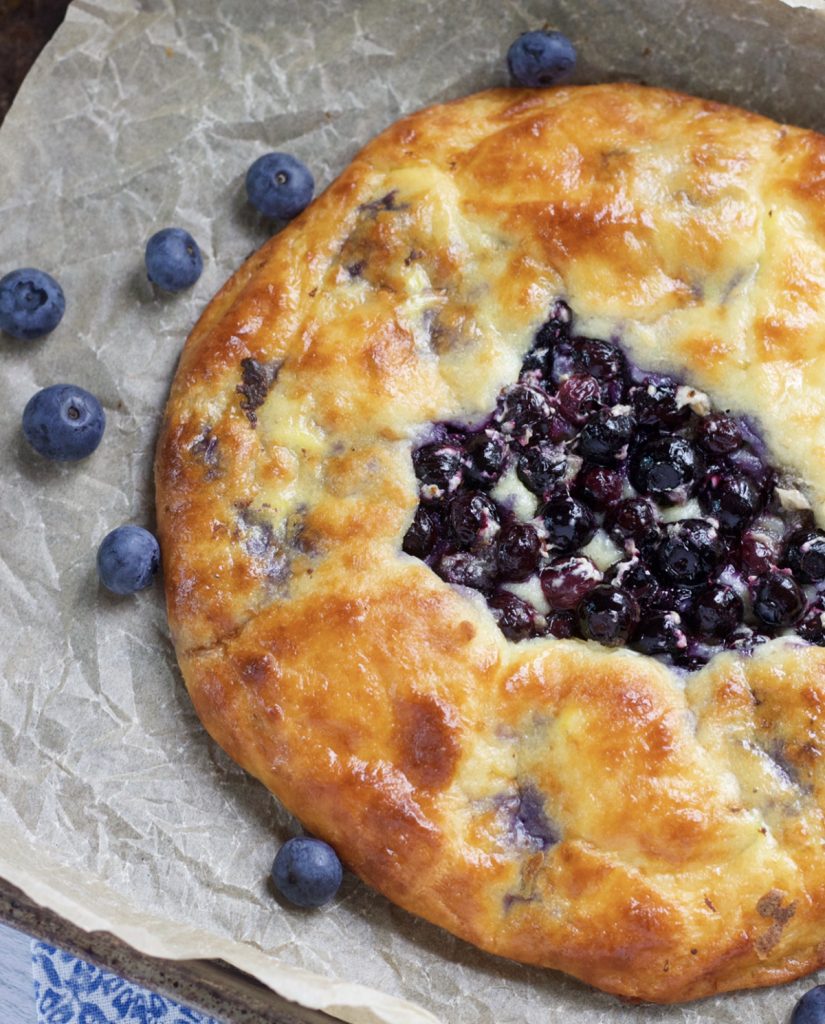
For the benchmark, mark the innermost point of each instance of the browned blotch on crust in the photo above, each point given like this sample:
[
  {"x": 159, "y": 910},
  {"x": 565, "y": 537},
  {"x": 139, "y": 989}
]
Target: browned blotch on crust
[
  {"x": 257, "y": 379},
  {"x": 770, "y": 906},
  {"x": 425, "y": 739}
]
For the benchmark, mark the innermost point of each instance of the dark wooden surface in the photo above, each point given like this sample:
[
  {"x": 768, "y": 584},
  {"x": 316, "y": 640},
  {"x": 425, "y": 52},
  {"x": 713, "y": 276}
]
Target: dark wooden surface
[{"x": 25, "y": 28}]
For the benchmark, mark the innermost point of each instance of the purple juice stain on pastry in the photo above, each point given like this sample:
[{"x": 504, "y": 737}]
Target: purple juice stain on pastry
[
  {"x": 707, "y": 546},
  {"x": 256, "y": 380},
  {"x": 529, "y": 826}
]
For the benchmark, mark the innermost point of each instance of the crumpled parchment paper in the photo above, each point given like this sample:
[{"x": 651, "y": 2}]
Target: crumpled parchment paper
[{"x": 116, "y": 810}]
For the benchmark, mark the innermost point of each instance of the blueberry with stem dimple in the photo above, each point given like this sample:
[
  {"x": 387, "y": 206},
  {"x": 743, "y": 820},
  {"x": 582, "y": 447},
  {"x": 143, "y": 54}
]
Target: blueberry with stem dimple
[
  {"x": 778, "y": 600},
  {"x": 307, "y": 872},
  {"x": 173, "y": 259},
  {"x": 608, "y": 615},
  {"x": 541, "y": 58},
  {"x": 128, "y": 559},
  {"x": 666, "y": 468},
  {"x": 689, "y": 552},
  {"x": 63, "y": 422},
  {"x": 279, "y": 185},
  {"x": 32, "y": 303}
]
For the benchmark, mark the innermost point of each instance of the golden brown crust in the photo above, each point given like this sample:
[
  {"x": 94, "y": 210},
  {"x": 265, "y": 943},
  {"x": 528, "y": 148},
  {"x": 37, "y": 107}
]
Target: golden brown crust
[{"x": 384, "y": 708}]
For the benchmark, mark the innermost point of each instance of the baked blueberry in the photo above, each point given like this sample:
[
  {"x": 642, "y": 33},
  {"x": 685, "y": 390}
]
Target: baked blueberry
[
  {"x": 32, "y": 303},
  {"x": 688, "y": 553},
  {"x": 486, "y": 456},
  {"x": 661, "y": 633},
  {"x": 518, "y": 551},
  {"x": 810, "y": 1008},
  {"x": 173, "y": 259},
  {"x": 63, "y": 422},
  {"x": 561, "y": 625},
  {"x": 719, "y": 434},
  {"x": 732, "y": 499},
  {"x": 717, "y": 611},
  {"x": 636, "y": 579},
  {"x": 744, "y": 639},
  {"x": 540, "y": 466},
  {"x": 523, "y": 407},
  {"x": 476, "y": 569},
  {"x": 655, "y": 403},
  {"x": 666, "y": 468},
  {"x": 422, "y": 536},
  {"x": 778, "y": 601},
  {"x": 540, "y": 58},
  {"x": 579, "y": 396},
  {"x": 474, "y": 518},
  {"x": 805, "y": 555},
  {"x": 604, "y": 441},
  {"x": 632, "y": 519},
  {"x": 598, "y": 486},
  {"x": 307, "y": 872},
  {"x": 438, "y": 465},
  {"x": 608, "y": 615},
  {"x": 279, "y": 185},
  {"x": 569, "y": 523},
  {"x": 565, "y": 581},
  {"x": 812, "y": 626},
  {"x": 515, "y": 617},
  {"x": 758, "y": 552},
  {"x": 128, "y": 559},
  {"x": 599, "y": 358}
]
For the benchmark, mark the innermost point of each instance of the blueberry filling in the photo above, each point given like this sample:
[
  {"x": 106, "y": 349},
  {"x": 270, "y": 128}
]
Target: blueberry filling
[{"x": 603, "y": 502}]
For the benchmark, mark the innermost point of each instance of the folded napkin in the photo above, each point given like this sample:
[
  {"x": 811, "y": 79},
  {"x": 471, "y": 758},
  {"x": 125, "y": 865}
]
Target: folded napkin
[{"x": 71, "y": 991}]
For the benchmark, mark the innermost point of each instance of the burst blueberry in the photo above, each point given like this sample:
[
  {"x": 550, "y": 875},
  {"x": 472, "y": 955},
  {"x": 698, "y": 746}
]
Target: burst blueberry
[
  {"x": 474, "y": 518},
  {"x": 307, "y": 872},
  {"x": 566, "y": 581},
  {"x": 32, "y": 303},
  {"x": 63, "y": 422},
  {"x": 541, "y": 58},
  {"x": 279, "y": 185},
  {"x": 541, "y": 466},
  {"x": 523, "y": 407},
  {"x": 515, "y": 617},
  {"x": 579, "y": 396},
  {"x": 719, "y": 434},
  {"x": 128, "y": 559},
  {"x": 173, "y": 259}
]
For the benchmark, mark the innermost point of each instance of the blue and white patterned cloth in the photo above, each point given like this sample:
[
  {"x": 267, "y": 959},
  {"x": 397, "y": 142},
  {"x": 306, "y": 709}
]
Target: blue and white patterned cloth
[{"x": 70, "y": 991}]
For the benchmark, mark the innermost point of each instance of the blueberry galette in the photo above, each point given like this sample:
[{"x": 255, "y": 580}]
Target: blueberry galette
[{"x": 490, "y": 500}]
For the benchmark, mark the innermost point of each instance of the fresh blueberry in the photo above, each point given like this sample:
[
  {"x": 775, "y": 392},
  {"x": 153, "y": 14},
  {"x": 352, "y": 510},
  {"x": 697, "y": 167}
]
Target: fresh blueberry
[
  {"x": 307, "y": 872},
  {"x": 810, "y": 1009},
  {"x": 805, "y": 555},
  {"x": 688, "y": 553},
  {"x": 279, "y": 185},
  {"x": 608, "y": 615},
  {"x": 422, "y": 536},
  {"x": 732, "y": 500},
  {"x": 605, "y": 440},
  {"x": 568, "y": 522},
  {"x": 719, "y": 434},
  {"x": 666, "y": 468},
  {"x": 598, "y": 486},
  {"x": 32, "y": 303},
  {"x": 539, "y": 59},
  {"x": 63, "y": 422},
  {"x": 515, "y": 617},
  {"x": 474, "y": 518},
  {"x": 518, "y": 551},
  {"x": 778, "y": 600},
  {"x": 486, "y": 454},
  {"x": 541, "y": 466},
  {"x": 438, "y": 465},
  {"x": 173, "y": 259},
  {"x": 128, "y": 559},
  {"x": 566, "y": 581},
  {"x": 717, "y": 612},
  {"x": 661, "y": 633}
]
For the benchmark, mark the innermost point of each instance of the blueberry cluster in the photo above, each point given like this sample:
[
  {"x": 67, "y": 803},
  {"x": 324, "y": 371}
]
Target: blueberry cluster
[{"x": 603, "y": 502}]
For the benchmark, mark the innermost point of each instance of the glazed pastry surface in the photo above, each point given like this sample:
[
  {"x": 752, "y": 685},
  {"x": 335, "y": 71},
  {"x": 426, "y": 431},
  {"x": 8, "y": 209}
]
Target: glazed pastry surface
[{"x": 657, "y": 834}]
